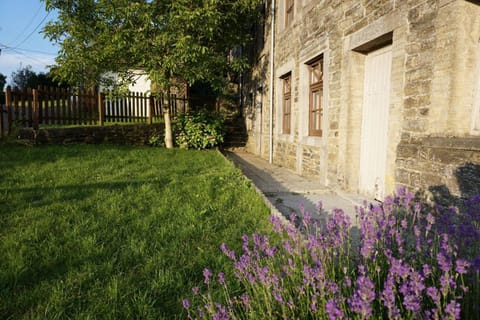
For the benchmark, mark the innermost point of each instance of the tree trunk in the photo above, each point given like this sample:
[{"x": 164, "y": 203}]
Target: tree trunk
[{"x": 168, "y": 122}]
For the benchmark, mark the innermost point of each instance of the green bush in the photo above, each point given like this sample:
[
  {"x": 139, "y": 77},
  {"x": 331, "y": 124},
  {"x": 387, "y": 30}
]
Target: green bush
[
  {"x": 199, "y": 130},
  {"x": 156, "y": 140}
]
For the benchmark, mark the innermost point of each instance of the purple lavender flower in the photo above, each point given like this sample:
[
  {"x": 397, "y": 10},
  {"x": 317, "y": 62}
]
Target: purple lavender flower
[
  {"x": 186, "y": 303},
  {"x": 388, "y": 297},
  {"x": 476, "y": 264},
  {"x": 444, "y": 243},
  {"x": 399, "y": 268},
  {"x": 277, "y": 295},
  {"x": 453, "y": 309},
  {"x": 195, "y": 290},
  {"x": 227, "y": 252},
  {"x": 307, "y": 219},
  {"x": 313, "y": 306},
  {"x": 301, "y": 208},
  {"x": 288, "y": 247},
  {"x": 461, "y": 266},
  {"x": 222, "y": 312},
  {"x": 245, "y": 299},
  {"x": 246, "y": 242},
  {"x": 427, "y": 270},
  {"x": 412, "y": 290},
  {"x": 433, "y": 293},
  {"x": 263, "y": 275},
  {"x": 443, "y": 262},
  {"x": 276, "y": 224},
  {"x": 207, "y": 274},
  {"x": 333, "y": 311},
  {"x": 430, "y": 219},
  {"x": 221, "y": 278},
  {"x": 447, "y": 282},
  {"x": 363, "y": 296},
  {"x": 270, "y": 251}
]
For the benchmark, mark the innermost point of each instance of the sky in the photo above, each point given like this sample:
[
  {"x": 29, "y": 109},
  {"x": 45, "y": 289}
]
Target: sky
[{"x": 21, "y": 42}]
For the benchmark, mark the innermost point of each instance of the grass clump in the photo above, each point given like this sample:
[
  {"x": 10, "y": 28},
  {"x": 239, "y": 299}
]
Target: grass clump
[{"x": 110, "y": 232}]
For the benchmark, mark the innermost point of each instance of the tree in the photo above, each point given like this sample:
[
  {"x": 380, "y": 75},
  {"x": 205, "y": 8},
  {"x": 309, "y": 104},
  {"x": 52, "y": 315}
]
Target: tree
[
  {"x": 27, "y": 78},
  {"x": 3, "y": 81},
  {"x": 186, "y": 40},
  {"x": 24, "y": 77}
]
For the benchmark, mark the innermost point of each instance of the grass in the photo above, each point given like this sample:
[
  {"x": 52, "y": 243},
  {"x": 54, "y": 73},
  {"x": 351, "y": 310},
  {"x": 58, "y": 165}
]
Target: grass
[{"x": 109, "y": 232}]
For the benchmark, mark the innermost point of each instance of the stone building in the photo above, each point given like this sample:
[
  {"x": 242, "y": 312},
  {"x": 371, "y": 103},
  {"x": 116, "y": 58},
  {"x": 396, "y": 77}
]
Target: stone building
[{"x": 369, "y": 95}]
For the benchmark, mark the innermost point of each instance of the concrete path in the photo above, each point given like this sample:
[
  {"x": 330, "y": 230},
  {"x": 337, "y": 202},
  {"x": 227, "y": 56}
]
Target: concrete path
[{"x": 285, "y": 191}]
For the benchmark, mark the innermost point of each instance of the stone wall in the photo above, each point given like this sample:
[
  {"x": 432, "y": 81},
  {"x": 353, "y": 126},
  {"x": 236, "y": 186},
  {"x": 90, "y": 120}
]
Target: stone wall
[
  {"x": 135, "y": 134},
  {"x": 446, "y": 166},
  {"x": 434, "y": 45}
]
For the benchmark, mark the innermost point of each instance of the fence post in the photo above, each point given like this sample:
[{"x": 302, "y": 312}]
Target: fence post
[
  {"x": 35, "y": 109},
  {"x": 8, "y": 102},
  {"x": 101, "y": 109},
  {"x": 2, "y": 118},
  {"x": 150, "y": 109}
]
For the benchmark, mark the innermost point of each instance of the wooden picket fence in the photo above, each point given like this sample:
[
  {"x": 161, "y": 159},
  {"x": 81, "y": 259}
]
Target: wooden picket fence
[{"x": 60, "y": 106}]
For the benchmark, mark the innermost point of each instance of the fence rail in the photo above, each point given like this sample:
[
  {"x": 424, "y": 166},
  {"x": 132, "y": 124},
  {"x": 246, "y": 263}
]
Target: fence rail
[{"x": 60, "y": 106}]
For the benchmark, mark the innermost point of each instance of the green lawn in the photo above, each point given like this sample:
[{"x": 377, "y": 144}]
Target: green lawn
[{"x": 109, "y": 232}]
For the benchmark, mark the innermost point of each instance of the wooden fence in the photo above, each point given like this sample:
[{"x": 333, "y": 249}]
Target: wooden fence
[{"x": 60, "y": 106}]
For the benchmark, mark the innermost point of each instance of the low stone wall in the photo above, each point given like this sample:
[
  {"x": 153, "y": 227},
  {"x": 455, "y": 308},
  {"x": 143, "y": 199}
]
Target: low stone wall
[
  {"x": 447, "y": 167},
  {"x": 132, "y": 134}
]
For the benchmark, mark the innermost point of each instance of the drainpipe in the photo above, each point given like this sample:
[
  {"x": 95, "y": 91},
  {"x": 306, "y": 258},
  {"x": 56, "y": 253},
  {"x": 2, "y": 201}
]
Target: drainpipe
[{"x": 272, "y": 48}]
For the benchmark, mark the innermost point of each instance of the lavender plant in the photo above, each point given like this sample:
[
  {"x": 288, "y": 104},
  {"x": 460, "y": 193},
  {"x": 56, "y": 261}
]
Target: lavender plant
[{"x": 403, "y": 260}]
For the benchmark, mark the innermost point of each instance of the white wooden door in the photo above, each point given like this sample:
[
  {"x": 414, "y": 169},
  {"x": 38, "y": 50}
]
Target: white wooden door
[{"x": 373, "y": 154}]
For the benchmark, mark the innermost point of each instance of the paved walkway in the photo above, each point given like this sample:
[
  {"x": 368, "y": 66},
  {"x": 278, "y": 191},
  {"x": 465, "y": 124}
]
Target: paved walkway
[{"x": 285, "y": 191}]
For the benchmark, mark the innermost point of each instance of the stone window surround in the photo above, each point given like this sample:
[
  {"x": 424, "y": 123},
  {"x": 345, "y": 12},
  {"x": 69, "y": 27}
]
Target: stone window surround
[
  {"x": 287, "y": 98},
  {"x": 281, "y": 15},
  {"x": 315, "y": 86},
  {"x": 308, "y": 55},
  {"x": 289, "y": 7},
  {"x": 280, "y": 72}
]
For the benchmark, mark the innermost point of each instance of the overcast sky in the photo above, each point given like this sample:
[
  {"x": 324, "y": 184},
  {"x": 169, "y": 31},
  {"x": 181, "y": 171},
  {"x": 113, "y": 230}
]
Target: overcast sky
[{"x": 21, "y": 42}]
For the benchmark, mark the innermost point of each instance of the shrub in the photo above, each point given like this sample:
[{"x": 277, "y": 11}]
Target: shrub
[
  {"x": 199, "y": 130},
  {"x": 156, "y": 139},
  {"x": 405, "y": 260}
]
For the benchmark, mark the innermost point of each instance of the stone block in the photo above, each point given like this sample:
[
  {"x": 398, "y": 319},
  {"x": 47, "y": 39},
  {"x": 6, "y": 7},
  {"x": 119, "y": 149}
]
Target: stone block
[
  {"x": 402, "y": 176},
  {"x": 407, "y": 151},
  {"x": 415, "y": 125}
]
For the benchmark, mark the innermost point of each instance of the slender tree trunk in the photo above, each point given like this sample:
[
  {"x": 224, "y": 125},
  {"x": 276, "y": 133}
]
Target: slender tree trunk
[{"x": 168, "y": 122}]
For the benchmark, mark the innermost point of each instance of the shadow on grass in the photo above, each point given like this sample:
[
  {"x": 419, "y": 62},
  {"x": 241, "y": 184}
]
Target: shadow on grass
[{"x": 35, "y": 196}]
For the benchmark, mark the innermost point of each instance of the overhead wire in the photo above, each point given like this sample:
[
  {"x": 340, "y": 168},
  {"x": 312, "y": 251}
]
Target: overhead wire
[
  {"x": 33, "y": 31},
  {"x": 11, "y": 43},
  {"x": 7, "y": 47},
  {"x": 23, "y": 54}
]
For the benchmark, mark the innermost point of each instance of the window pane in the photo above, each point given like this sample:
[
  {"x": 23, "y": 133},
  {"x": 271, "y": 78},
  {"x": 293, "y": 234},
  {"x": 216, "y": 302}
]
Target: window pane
[
  {"x": 316, "y": 100},
  {"x": 317, "y": 120},
  {"x": 287, "y": 103},
  {"x": 316, "y": 94}
]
